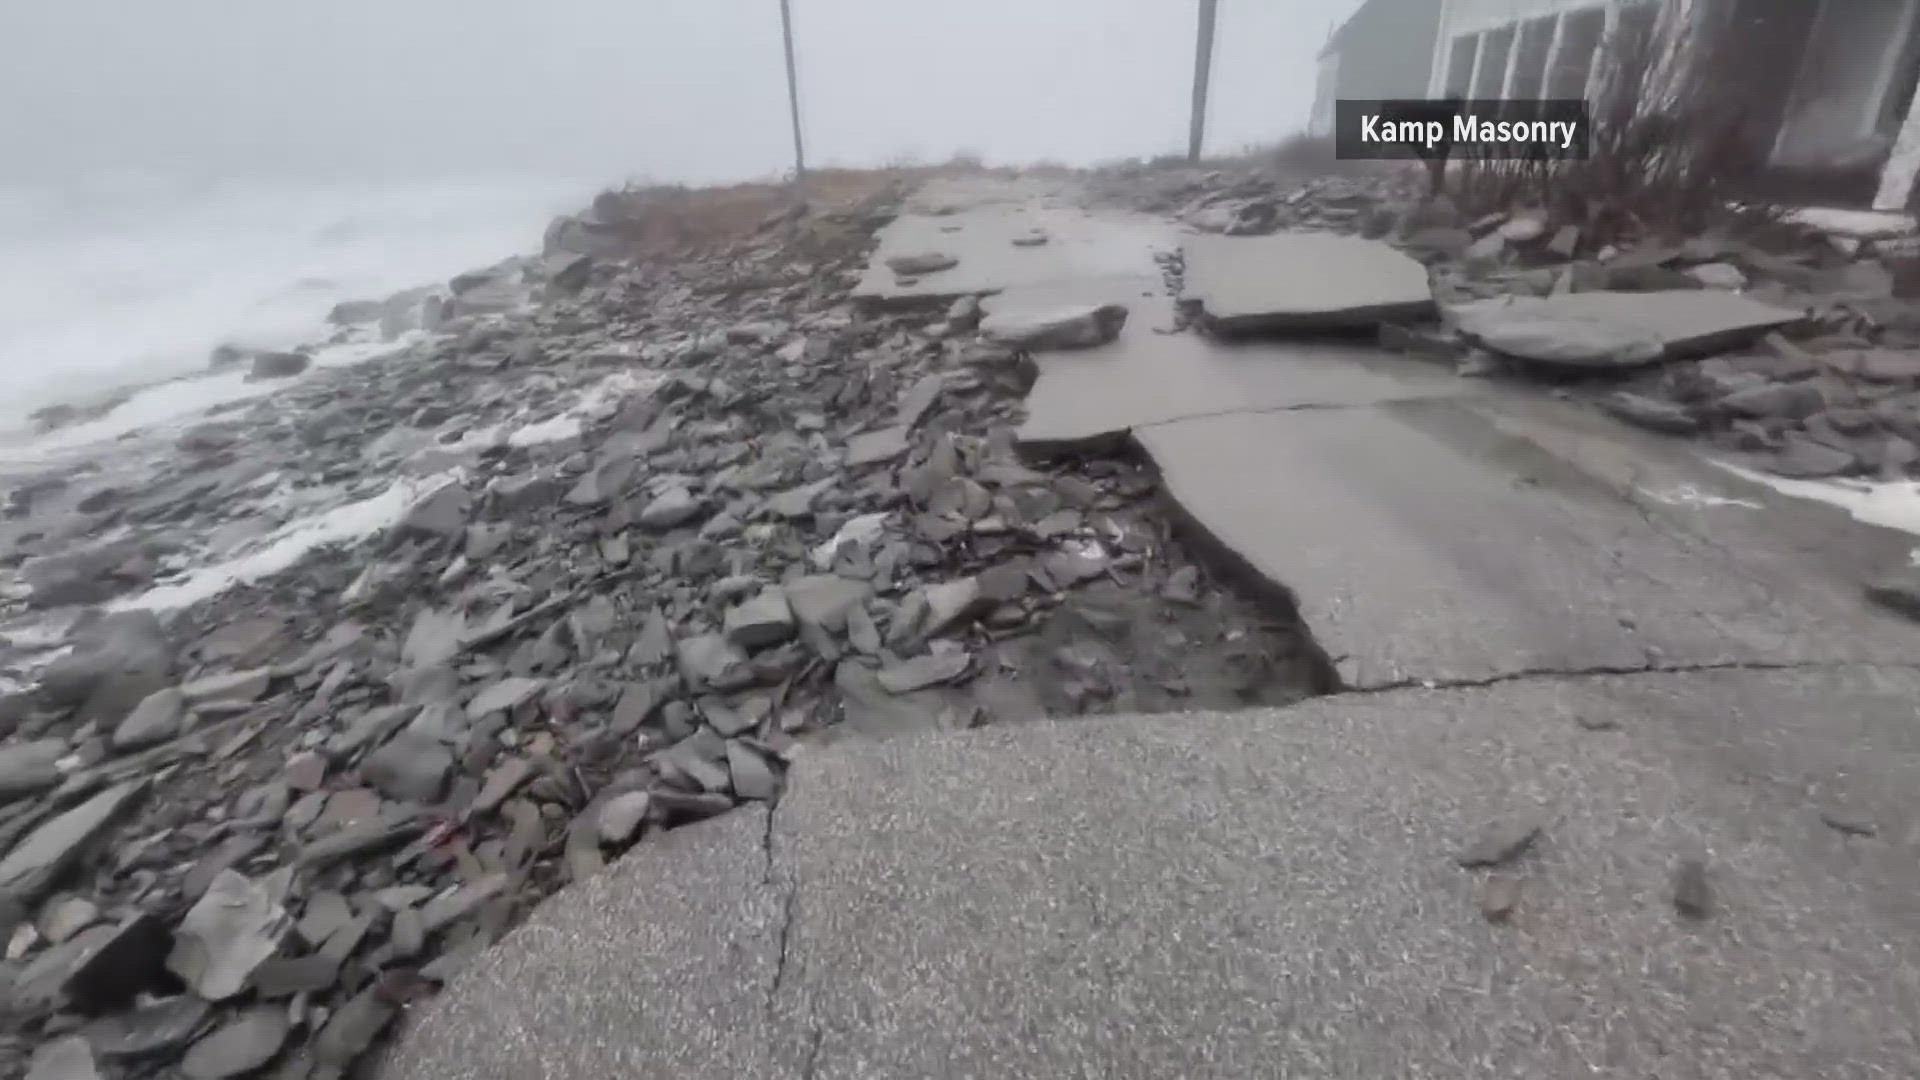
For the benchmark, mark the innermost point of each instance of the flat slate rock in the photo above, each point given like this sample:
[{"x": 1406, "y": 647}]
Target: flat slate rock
[
  {"x": 1603, "y": 330},
  {"x": 1303, "y": 281}
]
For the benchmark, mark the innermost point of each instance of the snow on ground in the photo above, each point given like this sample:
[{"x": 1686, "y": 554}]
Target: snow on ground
[{"x": 349, "y": 523}]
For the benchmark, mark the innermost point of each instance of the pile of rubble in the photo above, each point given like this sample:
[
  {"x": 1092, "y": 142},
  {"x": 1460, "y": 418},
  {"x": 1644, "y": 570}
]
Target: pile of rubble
[
  {"x": 1812, "y": 369},
  {"x": 664, "y": 522}
]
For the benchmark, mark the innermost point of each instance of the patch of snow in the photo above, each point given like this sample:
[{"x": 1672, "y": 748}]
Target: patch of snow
[
  {"x": 346, "y": 524},
  {"x": 1859, "y": 224},
  {"x": 1689, "y": 495},
  {"x": 599, "y": 402},
  {"x": 1891, "y": 505},
  {"x": 864, "y": 529}
]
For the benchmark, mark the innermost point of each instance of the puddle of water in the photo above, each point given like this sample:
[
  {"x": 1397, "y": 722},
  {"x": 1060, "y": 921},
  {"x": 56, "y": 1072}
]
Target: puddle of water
[
  {"x": 1892, "y": 505},
  {"x": 349, "y": 523}
]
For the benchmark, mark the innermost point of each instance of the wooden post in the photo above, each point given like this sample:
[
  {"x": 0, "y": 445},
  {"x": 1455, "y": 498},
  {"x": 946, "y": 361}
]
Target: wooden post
[
  {"x": 1202, "y": 71},
  {"x": 793, "y": 91}
]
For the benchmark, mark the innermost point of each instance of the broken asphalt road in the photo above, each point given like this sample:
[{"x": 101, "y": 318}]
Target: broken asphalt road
[{"x": 1545, "y": 624}]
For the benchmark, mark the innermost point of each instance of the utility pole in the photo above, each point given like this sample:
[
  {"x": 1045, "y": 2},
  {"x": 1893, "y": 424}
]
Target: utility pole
[
  {"x": 793, "y": 92},
  {"x": 1202, "y": 71}
]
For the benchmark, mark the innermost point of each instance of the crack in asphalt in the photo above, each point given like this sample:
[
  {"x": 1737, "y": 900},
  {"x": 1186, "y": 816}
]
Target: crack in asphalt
[{"x": 1549, "y": 674}]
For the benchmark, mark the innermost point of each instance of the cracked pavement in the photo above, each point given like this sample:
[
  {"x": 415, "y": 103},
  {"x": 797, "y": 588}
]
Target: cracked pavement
[
  {"x": 1233, "y": 895},
  {"x": 1520, "y": 630}
]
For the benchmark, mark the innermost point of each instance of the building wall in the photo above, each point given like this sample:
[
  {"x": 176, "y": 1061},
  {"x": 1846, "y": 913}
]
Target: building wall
[
  {"x": 1834, "y": 115},
  {"x": 1325, "y": 90},
  {"x": 1385, "y": 51}
]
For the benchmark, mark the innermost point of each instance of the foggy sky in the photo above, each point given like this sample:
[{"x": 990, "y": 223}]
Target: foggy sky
[{"x": 669, "y": 90}]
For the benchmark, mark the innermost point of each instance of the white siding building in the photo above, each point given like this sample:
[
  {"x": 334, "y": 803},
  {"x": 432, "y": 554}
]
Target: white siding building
[{"x": 1831, "y": 81}]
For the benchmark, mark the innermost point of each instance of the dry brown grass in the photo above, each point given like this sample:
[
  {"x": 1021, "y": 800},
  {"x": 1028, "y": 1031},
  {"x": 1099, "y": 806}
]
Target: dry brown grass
[
  {"x": 661, "y": 219},
  {"x": 1666, "y": 157}
]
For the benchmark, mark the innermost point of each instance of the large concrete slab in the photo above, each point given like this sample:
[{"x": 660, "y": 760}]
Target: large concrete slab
[
  {"x": 978, "y": 226},
  {"x": 1272, "y": 894},
  {"x": 1424, "y": 544},
  {"x": 1152, "y": 374},
  {"x": 1617, "y": 330},
  {"x": 1303, "y": 281},
  {"x": 662, "y": 965}
]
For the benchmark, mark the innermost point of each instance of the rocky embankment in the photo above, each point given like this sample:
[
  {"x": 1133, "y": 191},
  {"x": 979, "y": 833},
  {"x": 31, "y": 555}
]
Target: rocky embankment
[{"x": 664, "y": 507}]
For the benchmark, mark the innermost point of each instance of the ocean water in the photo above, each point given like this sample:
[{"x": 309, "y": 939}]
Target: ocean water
[{"x": 124, "y": 281}]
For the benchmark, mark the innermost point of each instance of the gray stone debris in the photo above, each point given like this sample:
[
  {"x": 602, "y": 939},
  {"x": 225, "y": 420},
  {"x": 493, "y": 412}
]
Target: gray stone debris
[
  {"x": 875, "y": 447},
  {"x": 233, "y": 929},
  {"x": 673, "y": 508},
  {"x": 32, "y": 865},
  {"x": 918, "y": 264},
  {"x": 155, "y": 720},
  {"x": 70, "y": 1058},
  {"x": 30, "y": 768},
  {"x": 763, "y": 621},
  {"x": 1692, "y": 895},
  {"x": 824, "y": 600},
  {"x": 1614, "y": 330},
  {"x": 1665, "y": 417},
  {"x": 504, "y": 696},
  {"x": 922, "y": 672},
  {"x": 278, "y": 365},
  {"x": 239, "y": 1046},
  {"x": 410, "y": 768},
  {"x": 228, "y": 688},
  {"x": 1083, "y": 326},
  {"x": 1502, "y": 841},
  {"x": 621, "y": 817},
  {"x": 1499, "y": 896},
  {"x": 1303, "y": 281}
]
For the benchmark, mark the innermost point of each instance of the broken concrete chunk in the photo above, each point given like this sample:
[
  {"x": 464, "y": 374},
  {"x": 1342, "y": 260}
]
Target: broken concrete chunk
[
  {"x": 761, "y": 622},
  {"x": 1303, "y": 281},
  {"x": 1610, "y": 330},
  {"x": 233, "y": 929},
  {"x": 1083, "y": 326}
]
